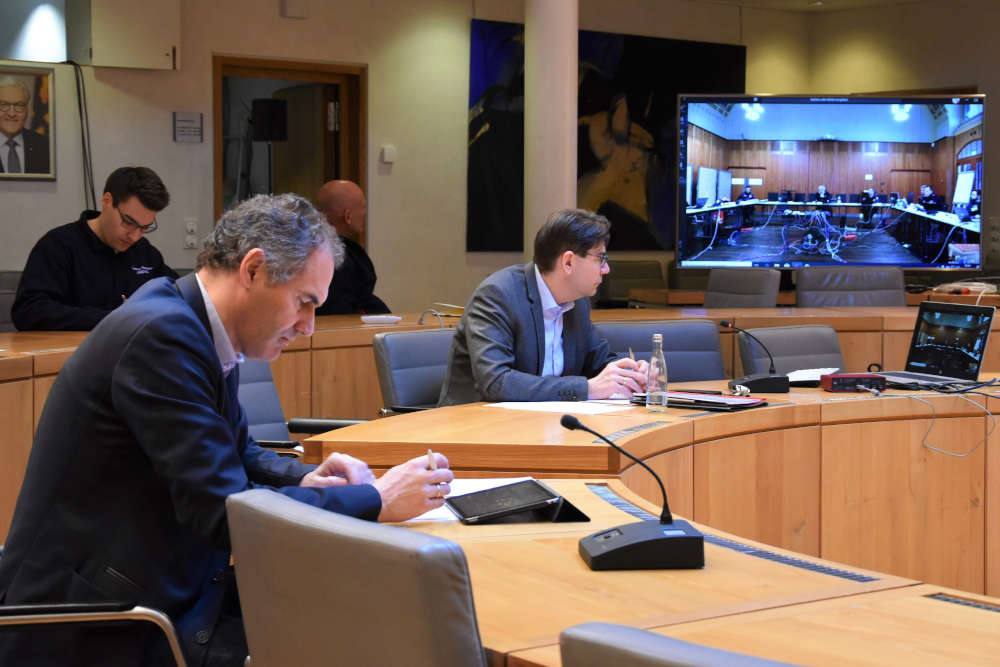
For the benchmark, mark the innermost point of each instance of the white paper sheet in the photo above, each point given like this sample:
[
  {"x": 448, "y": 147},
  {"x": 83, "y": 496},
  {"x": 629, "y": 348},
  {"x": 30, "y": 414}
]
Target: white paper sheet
[
  {"x": 810, "y": 374},
  {"x": 460, "y": 487},
  {"x": 573, "y": 407}
]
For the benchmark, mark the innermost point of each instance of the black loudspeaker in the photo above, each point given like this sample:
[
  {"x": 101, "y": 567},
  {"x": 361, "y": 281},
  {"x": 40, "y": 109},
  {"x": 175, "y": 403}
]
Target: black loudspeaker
[{"x": 270, "y": 119}]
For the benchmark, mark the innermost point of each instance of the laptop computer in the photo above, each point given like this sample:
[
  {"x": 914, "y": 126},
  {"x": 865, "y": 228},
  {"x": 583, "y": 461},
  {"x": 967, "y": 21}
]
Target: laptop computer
[{"x": 947, "y": 347}]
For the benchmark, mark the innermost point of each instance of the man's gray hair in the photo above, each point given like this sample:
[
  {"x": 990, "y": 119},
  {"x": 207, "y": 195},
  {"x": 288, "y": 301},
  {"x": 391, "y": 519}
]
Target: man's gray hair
[{"x": 286, "y": 227}]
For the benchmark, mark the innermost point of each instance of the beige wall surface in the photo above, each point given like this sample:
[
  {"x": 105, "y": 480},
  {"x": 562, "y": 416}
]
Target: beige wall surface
[{"x": 417, "y": 58}]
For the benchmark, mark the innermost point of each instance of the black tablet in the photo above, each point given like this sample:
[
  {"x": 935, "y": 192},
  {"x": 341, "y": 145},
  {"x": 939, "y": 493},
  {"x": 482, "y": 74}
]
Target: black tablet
[{"x": 482, "y": 506}]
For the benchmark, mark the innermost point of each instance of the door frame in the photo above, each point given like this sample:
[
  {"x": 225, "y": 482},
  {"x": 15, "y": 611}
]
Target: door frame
[{"x": 356, "y": 124}]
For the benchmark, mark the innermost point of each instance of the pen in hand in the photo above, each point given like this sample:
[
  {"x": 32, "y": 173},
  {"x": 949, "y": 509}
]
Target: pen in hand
[
  {"x": 631, "y": 355},
  {"x": 432, "y": 463}
]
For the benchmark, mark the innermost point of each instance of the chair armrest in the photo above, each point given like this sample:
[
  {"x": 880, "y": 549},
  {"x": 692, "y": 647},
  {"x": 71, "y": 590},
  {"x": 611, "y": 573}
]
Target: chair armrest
[
  {"x": 63, "y": 608},
  {"x": 315, "y": 426},
  {"x": 289, "y": 448},
  {"x": 402, "y": 409}
]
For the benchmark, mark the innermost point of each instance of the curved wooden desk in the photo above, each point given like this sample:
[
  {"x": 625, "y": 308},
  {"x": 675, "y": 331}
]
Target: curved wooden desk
[{"x": 842, "y": 477}]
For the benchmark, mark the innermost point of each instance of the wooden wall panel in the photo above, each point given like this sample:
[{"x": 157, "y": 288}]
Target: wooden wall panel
[
  {"x": 345, "y": 383},
  {"x": 890, "y": 504},
  {"x": 292, "y": 373}
]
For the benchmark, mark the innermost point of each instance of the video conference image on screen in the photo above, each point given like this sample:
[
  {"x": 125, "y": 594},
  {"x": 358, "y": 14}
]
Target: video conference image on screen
[
  {"x": 789, "y": 182},
  {"x": 953, "y": 342}
]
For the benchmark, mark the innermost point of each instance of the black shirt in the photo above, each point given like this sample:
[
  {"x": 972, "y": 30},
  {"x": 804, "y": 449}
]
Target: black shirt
[
  {"x": 352, "y": 289},
  {"x": 72, "y": 279},
  {"x": 932, "y": 202}
]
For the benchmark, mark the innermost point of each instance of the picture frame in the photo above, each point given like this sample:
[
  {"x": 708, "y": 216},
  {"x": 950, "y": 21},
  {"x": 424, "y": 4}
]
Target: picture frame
[{"x": 29, "y": 131}]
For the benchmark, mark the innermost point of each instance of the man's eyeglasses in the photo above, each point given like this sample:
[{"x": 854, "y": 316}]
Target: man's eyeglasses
[
  {"x": 19, "y": 107},
  {"x": 131, "y": 224},
  {"x": 603, "y": 256}
]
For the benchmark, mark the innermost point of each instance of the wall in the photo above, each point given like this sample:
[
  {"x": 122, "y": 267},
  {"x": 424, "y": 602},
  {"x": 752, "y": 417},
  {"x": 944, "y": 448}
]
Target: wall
[
  {"x": 930, "y": 45},
  {"x": 417, "y": 55}
]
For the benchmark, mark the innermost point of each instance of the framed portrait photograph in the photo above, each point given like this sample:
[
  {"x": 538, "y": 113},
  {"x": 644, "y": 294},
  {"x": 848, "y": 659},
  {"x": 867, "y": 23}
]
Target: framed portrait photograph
[{"x": 27, "y": 124}]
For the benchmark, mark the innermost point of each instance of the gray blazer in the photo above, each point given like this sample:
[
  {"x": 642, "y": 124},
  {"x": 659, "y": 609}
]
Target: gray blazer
[{"x": 499, "y": 346}]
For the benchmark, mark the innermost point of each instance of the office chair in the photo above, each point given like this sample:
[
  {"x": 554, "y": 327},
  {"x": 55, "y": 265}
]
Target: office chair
[
  {"x": 361, "y": 593},
  {"x": 601, "y": 644},
  {"x": 794, "y": 348},
  {"x": 411, "y": 367},
  {"x": 626, "y": 274},
  {"x": 822, "y": 286},
  {"x": 742, "y": 288},
  {"x": 692, "y": 347},
  {"x": 33, "y": 617},
  {"x": 265, "y": 417}
]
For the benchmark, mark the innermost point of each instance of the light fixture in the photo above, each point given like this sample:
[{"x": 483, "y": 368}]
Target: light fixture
[
  {"x": 900, "y": 112},
  {"x": 752, "y": 111}
]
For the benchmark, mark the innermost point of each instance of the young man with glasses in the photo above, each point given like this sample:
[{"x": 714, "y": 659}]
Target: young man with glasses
[
  {"x": 22, "y": 151},
  {"x": 79, "y": 272},
  {"x": 526, "y": 333}
]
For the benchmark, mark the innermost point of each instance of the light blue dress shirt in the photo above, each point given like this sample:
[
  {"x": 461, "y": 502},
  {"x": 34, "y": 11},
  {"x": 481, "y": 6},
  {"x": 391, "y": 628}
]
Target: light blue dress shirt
[
  {"x": 228, "y": 356},
  {"x": 552, "y": 319}
]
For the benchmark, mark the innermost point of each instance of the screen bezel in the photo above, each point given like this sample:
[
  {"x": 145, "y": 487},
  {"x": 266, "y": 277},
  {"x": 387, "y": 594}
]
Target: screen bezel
[{"x": 681, "y": 204}]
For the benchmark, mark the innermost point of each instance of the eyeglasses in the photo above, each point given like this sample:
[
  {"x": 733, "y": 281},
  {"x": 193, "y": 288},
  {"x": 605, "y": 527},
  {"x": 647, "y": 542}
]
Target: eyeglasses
[
  {"x": 131, "y": 224},
  {"x": 18, "y": 107},
  {"x": 603, "y": 256}
]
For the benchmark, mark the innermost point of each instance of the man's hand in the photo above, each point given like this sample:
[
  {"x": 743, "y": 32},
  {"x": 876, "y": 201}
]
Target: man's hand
[
  {"x": 410, "y": 489},
  {"x": 623, "y": 377},
  {"x": 338, "y": 470}
]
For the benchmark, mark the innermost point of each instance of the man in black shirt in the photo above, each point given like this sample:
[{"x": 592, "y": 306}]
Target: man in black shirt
[
  {"x": 930, "y": 200},
  {"x": 352, "y": 289},
  {"x": 79, "y": 272}
]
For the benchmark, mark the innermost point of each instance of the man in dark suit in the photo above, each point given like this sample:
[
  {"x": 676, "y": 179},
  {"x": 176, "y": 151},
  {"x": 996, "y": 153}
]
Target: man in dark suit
[
  {"x": 22, "y": 151},
  {"x": 353, "y": 287},
  {"x": 526, "y": 333},
  {"x": 143, "y": 438}
]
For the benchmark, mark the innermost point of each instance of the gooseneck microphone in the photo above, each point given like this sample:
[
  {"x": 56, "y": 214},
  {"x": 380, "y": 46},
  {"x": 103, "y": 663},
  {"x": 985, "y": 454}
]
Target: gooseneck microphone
[
  {"x": 647, "y": 545},
  {"x": 572, "y": 423},
  {"x": 766, "y": 383}
]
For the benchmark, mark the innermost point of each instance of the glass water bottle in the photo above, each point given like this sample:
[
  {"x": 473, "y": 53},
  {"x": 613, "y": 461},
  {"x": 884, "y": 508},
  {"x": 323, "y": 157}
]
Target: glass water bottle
[{"x": 656, "y": 381}]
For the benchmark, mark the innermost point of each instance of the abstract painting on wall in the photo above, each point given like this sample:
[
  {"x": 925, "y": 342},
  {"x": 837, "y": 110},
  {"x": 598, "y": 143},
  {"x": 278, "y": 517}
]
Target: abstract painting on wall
[{"x": 626, "y": 155}]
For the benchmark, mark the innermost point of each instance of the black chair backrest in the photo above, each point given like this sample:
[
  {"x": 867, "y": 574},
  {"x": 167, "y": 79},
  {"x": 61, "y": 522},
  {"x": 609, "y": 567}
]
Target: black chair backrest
[
  {"x": 794, "y": 348},
  {"x": 823, "y": 286},
  {"x": 742, "y": 288},
  {"x": 692, "y": 347},
  {"x": 411, "y": 366}
]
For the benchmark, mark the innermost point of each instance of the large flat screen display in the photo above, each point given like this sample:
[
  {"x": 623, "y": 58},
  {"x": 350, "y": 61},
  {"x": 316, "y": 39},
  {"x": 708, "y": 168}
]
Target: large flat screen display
[{"x": 830, "y": 180}]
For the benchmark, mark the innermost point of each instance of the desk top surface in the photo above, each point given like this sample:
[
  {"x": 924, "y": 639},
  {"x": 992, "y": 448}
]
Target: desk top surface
[{"x": 529, "y": 581}]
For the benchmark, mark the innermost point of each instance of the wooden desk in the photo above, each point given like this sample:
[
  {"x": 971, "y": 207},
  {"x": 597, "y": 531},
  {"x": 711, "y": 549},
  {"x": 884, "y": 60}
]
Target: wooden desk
[
  {"x": 915, "y": 625},
  {"x": 529, "y": 582},
  {"x": 831, "y": 475}
]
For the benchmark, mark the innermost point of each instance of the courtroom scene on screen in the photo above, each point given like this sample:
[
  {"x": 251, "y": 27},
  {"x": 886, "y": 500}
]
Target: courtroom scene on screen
[{"x": 806, "y": 181}]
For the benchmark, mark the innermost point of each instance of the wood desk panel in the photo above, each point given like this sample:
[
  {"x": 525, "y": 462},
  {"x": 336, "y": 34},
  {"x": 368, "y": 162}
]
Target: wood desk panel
[
  {"x": 902, "y": 625},
  {"x": 16, "y": 417},
  {"x": 993, "y": 503},
  {"x": 890, "y": 504},
  {"x": 530, "y": 586},
  {"x": 764, "y": 486}
]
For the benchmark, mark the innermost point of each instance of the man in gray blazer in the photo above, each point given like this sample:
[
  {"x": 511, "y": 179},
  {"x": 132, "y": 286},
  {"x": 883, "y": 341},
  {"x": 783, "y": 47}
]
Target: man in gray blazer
[{"x": 526, "y": 333}]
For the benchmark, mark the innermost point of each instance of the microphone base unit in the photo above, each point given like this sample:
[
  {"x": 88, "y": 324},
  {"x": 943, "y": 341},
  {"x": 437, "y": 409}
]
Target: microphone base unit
[
  {"x": 845, "y": 382},
  {"x": 762, "y": 383},
  {"x": 647, "y": 545}
]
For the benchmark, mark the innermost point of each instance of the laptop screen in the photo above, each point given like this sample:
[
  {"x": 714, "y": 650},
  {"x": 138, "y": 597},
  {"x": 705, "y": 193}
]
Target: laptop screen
[{"x": 949, "y": 339}]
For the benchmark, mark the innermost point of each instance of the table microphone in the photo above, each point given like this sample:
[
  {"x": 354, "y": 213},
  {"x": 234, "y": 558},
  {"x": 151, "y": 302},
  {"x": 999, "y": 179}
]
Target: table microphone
[
  {"x": 764, "y": 383},
  {"x": 652, "y": 544}
]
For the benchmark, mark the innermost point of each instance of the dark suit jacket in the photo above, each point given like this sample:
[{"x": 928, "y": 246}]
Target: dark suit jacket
[
  {"x": 141, "y": 440},
  {"x": 499, "y": 346},
  {"x": 36, "y": 152}
]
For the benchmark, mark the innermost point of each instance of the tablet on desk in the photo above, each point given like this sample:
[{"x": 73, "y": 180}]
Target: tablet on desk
[{"x": 501, "y": 501}]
